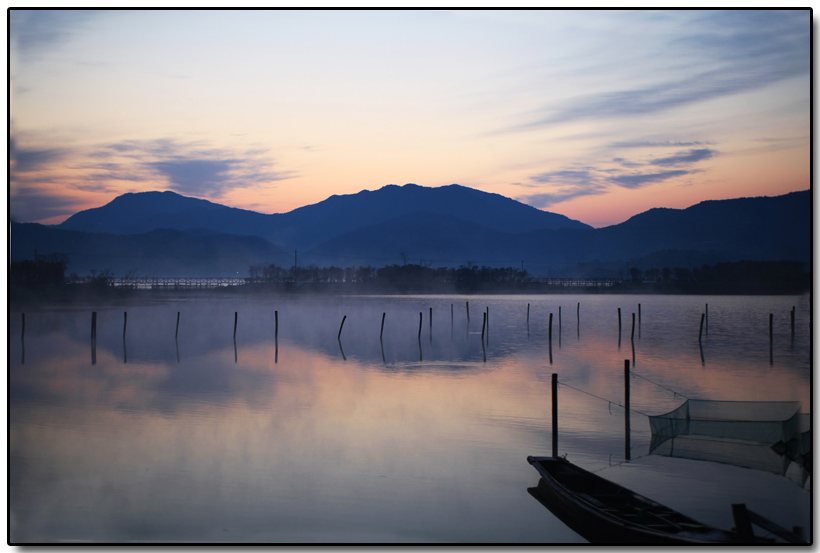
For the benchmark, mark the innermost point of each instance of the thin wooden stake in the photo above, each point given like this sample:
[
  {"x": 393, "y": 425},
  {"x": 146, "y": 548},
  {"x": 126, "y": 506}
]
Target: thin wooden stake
[
  {"x": 771, "y": 327},
  {"x": 619, "y": 321},
  {"x": 792, "y": 318},
  {"x": 93, "y": 325},
  {"x": 381, "y": 332},
  {"x": 468, "y": 311},
  {"x": 627, "y": 444},
  {"x": 700, "y": 332},
  {"x": 550, "y": 330},
  {"x": 176, "y": 335},
  {"x": 276, "y": 324},
  {"x": 420, "y": 320},
  {"x": 339, "y": 337},
  {"x": 483, "y": 324},
  {"x": 771, "y": 339},
  {"x": 554, "y": 414},
  {"x": 487, "y": 314},
  {"x": 235, "y": 321},
  {"x": 633, "y": 327},
  {"x": 124, "y": 323}
]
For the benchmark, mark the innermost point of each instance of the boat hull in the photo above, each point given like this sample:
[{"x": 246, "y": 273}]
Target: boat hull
[{"x": 604, "y": 512}]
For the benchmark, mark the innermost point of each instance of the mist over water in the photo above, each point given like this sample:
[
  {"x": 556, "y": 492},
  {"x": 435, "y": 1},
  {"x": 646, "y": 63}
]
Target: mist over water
[{"x": 308, "y": 435}]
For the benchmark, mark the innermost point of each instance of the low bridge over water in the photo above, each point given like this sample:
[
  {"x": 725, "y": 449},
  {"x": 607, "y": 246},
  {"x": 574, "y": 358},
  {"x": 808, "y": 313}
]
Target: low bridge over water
[
  {"x": 146, "y": 282},
  {"x": 152, "y": 282}
]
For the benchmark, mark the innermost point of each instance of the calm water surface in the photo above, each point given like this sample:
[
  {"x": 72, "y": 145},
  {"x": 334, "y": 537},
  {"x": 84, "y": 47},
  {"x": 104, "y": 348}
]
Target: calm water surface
[{"x": 414, "y": 438}]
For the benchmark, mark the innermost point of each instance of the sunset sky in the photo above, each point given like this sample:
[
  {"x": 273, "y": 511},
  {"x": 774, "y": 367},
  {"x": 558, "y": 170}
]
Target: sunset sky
[{"x": 597, "y": 115}]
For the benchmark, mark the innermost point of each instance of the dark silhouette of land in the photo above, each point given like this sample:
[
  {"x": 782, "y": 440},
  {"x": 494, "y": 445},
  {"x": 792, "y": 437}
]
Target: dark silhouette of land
[
  {"x": 44, "y": 281},
  {"x": 165, "y": 234}
]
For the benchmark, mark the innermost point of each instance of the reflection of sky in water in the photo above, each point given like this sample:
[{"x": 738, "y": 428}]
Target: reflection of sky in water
[{"x": 207, "y": 439}]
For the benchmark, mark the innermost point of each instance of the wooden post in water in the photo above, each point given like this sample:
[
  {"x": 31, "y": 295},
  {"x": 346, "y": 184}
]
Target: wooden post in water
[
  {"x": 707, "y": 319},
  {"x": 276, "y": 325},
  {"x": 627, "y": 444},
  {"x": 619, "y": 321},
  {"x": 23, "y": 341},
  {"x": 550, "y": 330},
  {"x": 339, "y": 336},
  {"x": 468, "y": 312},
  {"x": 93, "y": 325},
  {"x": 420, "y": 320},
  {"x": 176, "y": 335},
  {"x": 483, "y": 324},
  {"x": 235, "y": 322},
  {"x": 559, "y": 322},
  {"x": 639, "y": 320},
  {"x": 700, "y": 332},
  {"x": 554, "y": 414},
  {"x": 431, "y": 324},
  {"x": 381, "y": 332},
  {"x": 792, "y": 318},
  {"x": 528, "y": 317},
  {"x": 633, "y": 327},
  {"x": 771, "y": 339},
  {"x": 23, "y": 333},
  {"x": 124, "y": 323}
]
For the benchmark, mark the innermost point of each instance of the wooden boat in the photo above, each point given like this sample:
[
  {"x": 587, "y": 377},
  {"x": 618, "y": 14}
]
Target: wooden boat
[{"x": 604, "y": 512}]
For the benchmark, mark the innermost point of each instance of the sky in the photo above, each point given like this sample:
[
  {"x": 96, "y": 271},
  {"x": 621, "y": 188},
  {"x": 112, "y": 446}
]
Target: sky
[{"x": 596, "y": 115}]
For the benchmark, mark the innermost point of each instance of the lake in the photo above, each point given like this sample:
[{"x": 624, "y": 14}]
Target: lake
[{"x": 422, "y": 436}]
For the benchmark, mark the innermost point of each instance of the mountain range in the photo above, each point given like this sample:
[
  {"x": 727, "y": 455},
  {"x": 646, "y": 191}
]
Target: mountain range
[{"x": 166, "y": 234}]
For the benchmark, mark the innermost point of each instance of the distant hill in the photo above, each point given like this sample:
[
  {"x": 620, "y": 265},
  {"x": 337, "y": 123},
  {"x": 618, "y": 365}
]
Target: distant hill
[
  {"x": 763, "y": 228},
  {"x": 136, "y": 213},
  {"x": 308, "y": 226},
  {"x": 447, "y": 226},
  {"x": 161, "y": 252}
]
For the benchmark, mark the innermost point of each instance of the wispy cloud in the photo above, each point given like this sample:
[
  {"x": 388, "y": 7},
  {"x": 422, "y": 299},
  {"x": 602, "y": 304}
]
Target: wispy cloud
[
  {"x": 35, "y": 31},
  {"x": 582, "y": 176},
  {"x": 190, "y": 168},
  {"x": 658, "y": 143},
  {"x": 638, "y": 180},
  {"x": 565, "y": 185},
  {"x": 736, "y": 52},
  {"x": 25, "y": 160},
  {"x": 548, "y": 199},
  {"x": 575, "y": 182},
  {"x": 691, "y": 156},
  {"x": 36, "y": 203},
  {"x": 47, "y": 180}
]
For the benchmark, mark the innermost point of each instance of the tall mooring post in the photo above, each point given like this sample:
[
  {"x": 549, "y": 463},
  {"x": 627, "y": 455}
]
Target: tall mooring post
[
  {"x": 554, "y": 414},
  {"x": 627, "y": 442}
]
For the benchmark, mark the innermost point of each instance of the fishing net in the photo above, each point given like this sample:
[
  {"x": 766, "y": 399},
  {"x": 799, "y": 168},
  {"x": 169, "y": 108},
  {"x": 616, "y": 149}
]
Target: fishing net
[{"x": 763, "y": 435}]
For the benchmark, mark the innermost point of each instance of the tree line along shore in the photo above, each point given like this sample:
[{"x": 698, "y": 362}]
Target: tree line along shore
[{"x": 44, "y": 279}]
